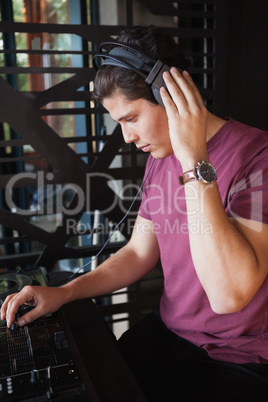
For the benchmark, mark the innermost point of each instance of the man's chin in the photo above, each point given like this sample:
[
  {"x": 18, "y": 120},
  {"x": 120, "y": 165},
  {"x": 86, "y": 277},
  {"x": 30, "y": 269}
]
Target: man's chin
[{"x": 160, "y": 155}]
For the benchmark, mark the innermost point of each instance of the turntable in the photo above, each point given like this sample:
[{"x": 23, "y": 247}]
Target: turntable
[{"x": 13, "y": 282}]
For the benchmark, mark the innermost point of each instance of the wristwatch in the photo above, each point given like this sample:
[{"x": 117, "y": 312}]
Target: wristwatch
[{"x": 204, "y": 171}]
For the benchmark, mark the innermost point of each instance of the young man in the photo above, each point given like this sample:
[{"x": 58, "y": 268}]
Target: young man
[{"x": 210, "y": 340}]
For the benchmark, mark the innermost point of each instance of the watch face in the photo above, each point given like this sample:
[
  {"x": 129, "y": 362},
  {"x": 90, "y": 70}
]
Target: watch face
[{"x": 207, "y": 172}]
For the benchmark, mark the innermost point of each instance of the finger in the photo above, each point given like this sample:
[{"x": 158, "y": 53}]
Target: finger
[
  {"x": 11, "y": 310},
  {"x": 168, "y": 102},
  {"x": 30, "y": 316},
  {"x": 187, "y": 88},
  {"x": 194, "y": 88},
  {"x": 4, "y": 306},
  {"x": 186, "y": 85},
  {"x": 17, "y": 300},
  {"x": 176, "y": 93}
]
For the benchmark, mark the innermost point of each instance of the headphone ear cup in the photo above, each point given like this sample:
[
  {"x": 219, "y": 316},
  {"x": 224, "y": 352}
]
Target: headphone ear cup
[
  {"x": 156, "y": 81},
  {"x": 157, "y": 95}
]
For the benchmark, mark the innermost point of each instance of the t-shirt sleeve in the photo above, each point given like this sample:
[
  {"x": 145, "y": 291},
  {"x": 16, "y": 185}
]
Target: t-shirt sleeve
[{"x": 248, "y": 197}]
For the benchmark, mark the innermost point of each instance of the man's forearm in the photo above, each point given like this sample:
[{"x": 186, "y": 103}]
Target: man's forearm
[
  {"x": 122, "y": 269},
  {"x": 224, "y": 260}
]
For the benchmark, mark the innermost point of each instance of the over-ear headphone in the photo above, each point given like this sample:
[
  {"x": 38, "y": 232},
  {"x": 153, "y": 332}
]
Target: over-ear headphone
[{"x": 125, "y": 56}]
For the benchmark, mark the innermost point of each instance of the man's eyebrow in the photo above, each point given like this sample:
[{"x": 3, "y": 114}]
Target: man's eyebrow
[{"x": 124, "y": 117}]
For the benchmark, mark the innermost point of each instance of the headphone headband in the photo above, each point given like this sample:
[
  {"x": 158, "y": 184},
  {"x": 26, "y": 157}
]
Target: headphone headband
[
  {"x": 127, "y": 50},
  {"x": 128, "y": 57}
]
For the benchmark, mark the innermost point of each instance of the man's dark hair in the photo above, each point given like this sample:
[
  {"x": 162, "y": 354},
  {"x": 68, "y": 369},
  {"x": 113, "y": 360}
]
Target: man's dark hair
[{"x": 150, "y": 40}]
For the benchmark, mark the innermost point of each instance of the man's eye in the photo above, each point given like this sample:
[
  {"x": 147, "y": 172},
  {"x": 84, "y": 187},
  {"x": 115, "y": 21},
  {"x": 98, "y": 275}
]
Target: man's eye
[{"x": 131, "y": 119}]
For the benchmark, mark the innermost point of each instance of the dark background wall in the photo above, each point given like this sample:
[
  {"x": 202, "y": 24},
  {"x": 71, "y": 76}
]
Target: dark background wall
[{"x": 248, "y": 62}]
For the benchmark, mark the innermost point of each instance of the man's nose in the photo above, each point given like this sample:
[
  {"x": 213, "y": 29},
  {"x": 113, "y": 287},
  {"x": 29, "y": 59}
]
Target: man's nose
[{"x": 129, "y": 135}]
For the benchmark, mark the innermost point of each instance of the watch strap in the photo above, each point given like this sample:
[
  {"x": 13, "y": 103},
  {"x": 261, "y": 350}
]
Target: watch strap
[
  {"x": 208, "y": 175},
  {"x": 189, "y": 175}
]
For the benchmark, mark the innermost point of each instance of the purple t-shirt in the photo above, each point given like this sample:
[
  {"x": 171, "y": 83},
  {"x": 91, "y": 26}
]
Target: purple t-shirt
[{"x": 240, "y": 156}]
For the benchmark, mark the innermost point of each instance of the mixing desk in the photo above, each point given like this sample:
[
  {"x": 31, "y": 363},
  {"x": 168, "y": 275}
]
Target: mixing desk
[
  {"x": 39, "y": 362},
  {"x": 70, "y": 355}
]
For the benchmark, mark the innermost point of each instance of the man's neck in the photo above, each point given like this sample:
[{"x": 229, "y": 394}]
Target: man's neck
[{"x": 214, "y": 123}]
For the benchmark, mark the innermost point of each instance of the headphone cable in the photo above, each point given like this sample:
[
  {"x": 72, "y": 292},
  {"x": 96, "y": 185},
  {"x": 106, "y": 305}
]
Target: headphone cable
[{"x": 111, "y": 234}]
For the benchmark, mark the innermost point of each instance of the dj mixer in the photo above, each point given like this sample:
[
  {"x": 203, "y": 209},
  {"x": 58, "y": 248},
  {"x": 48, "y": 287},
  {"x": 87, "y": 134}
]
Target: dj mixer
[{"x": 40, "y": 361}]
